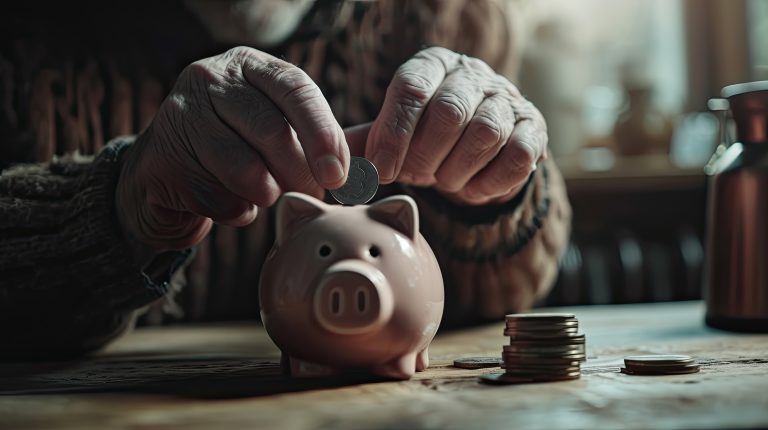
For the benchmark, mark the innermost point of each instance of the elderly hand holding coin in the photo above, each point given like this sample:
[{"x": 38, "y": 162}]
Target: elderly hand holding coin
[{"x": 236, "y": 131}]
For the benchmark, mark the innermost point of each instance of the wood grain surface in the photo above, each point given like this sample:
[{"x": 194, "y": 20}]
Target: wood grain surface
[{"x": 228, "y": 376}]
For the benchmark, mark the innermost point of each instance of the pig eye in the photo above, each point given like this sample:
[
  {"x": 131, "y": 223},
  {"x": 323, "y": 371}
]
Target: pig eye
[
  {"x": 325, "y": 250},
  {"x": 374, "y": 251}
]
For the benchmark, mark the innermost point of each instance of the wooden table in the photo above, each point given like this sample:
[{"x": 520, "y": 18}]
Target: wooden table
[{"x": 227, "y": 376}]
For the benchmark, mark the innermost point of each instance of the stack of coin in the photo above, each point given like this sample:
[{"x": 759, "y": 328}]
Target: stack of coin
[
  {"x": 542, "y": 347},
  {"x": 659, "y": 365}
]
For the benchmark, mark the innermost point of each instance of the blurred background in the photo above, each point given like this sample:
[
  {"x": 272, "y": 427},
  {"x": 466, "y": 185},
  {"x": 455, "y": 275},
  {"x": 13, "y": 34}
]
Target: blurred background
[{"x": 624, "y": 87}]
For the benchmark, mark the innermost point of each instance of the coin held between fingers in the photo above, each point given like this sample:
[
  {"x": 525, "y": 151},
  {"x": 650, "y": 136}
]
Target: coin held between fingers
[{"x": 362, "y": 183}]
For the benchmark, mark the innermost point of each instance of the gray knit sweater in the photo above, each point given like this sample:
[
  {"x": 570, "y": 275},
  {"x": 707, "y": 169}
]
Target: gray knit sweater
[{"x": 68, "y": 282}]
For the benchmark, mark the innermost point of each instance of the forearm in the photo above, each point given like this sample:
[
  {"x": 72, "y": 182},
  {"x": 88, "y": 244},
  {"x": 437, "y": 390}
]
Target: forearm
[
  {"x": 499, "y": 258},
  {"x": 69, "y": 280}
]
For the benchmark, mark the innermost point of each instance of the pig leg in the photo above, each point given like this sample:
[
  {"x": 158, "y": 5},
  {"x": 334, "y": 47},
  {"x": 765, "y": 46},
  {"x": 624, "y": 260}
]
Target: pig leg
[
  {"x": 422, "y": 360},
  {"x": 400, "y": 368}
]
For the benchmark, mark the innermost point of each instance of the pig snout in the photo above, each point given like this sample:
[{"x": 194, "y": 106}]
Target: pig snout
[{"x": 353, "y": 297}]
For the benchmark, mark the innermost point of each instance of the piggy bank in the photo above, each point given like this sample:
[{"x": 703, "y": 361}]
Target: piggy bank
[{"x": 351, "y": 287}]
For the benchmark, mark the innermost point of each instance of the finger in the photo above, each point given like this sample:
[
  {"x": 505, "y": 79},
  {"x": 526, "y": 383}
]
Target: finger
[
  {"x": 209, "y": 199},
  {"x": 357, "y": 136},
  {"x": 261, "y": 124},
  {"x": 230, "y": 160},
  {"x": 444, "y": 120},
  {"x": 512, "y": 166},
  {"x": 413, "y": 85},
  {"x": 303, "y": 104},
  {"x": 481, "y": 141}
]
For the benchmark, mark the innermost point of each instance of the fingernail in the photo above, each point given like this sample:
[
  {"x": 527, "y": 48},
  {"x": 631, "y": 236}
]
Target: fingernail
[
  {"x": 330, "y": 169},
  {"x": 385, "y": 164}
]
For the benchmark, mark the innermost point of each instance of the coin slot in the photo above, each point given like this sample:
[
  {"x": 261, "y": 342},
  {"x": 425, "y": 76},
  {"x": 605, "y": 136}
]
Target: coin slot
[
  {"x": 362, "y": 299},
  {"x": 374, "y": 251},
  {"x": 337, "y": 301}
]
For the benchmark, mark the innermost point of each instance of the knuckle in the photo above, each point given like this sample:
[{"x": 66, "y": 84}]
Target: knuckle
[
  {"x": 436, "y": 52},
  {"x": 451, "y": 110},
  {"x": 484, "y": 133},
  {"x": 240, "y": 53},
  {"x": 302, "y": 93},
  {"x": 411, "y": 89},
  {"x": 522, "y": 154},
  {"x": 477, "y": 65},
  {"x": 200, "y": 71},
  {"x": 293, "y": 81},
  {"x": 511, "y": 88}
]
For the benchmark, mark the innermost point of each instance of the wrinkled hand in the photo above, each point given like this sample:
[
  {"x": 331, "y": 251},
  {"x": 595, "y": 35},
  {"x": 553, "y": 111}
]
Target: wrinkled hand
[
  {"x": 237, "y": 130},
  {"x": 451, "y": 122}
]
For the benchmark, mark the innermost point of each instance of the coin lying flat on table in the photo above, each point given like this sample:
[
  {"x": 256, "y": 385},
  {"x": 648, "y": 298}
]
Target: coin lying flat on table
[
  {"x": 657, "y": 360},
  {"x": 362, "y": 183},
  {"x": 496, "y": 378},
  {"x": 659, "y": 365},
  {"x": 477, "y": 362}
]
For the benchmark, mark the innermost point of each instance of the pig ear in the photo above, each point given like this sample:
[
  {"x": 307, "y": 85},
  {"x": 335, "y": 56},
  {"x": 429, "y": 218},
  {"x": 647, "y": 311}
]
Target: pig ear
[
  {"x": 398, "y": 212},
  {"x": 293, "y": 210}
]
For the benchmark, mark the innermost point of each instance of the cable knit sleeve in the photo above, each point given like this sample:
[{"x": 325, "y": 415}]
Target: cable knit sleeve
[
  {"x": 498, "y": 258},
  {"x": 68, "y": 281}
]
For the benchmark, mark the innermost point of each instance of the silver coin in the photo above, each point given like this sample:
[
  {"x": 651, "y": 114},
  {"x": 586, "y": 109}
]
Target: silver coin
[
  {"x": 547, "y": 340},
  {"x": 544, "y": 349},
  {"x": 362, "y": 183},
  {"x": 570, "y": 356},
  {"x": 542, "y": 317},
  {"x": 658, "y": 360},
  {"x": 521, "y": 325},
  {"x": 477, "y": 362},
  {"x": 506, "y": 379},
  {"x": 564, "y": 332}
]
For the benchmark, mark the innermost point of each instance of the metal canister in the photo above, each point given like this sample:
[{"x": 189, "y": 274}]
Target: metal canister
[{"x": 736, "y": 280}]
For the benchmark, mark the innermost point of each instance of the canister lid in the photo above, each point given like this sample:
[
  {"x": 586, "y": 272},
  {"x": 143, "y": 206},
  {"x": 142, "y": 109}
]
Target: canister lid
[{"x": 749, "y": 106}]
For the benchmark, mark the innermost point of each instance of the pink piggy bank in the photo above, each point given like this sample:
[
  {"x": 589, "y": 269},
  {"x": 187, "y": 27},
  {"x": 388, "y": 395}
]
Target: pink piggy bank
[{"x": 351, "y": 287}]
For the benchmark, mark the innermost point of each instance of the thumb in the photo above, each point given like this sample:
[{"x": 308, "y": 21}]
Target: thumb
[{"x": 356, "y": 136}]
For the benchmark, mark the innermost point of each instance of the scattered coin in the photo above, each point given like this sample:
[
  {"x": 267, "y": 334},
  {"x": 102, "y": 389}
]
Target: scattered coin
[
  {"x": 362, "y": 183},
  {"x": 507, "y": 379},
  {"x": 659, "y": 365},
  {"x": 649, "y": 372},
  {"x": 654, "y": 360},
  {"x": 477, "y": 362}
]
